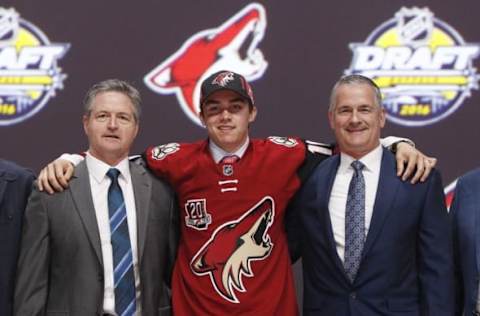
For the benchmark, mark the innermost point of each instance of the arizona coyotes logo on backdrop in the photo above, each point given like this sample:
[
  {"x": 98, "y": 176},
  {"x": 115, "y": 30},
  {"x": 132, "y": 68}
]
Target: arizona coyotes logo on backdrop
[
  {"x": 233, "y": 46},
  {"x": 226, "y": 257}
]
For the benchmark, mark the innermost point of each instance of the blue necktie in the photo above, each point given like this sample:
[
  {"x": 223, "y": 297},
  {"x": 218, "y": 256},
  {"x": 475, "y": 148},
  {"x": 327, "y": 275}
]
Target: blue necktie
[
  {"x": 121, "y": 248},
  {"x": 355, "y": 221}
]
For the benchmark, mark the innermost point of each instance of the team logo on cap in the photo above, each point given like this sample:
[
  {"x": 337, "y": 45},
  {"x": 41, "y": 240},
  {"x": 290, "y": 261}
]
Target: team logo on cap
[
  {"x": 223, "y": 79},
  {"x": 422, "y": 65},
  {"x": 233, "y": 45},
  {"x": 29, "y": 75}
]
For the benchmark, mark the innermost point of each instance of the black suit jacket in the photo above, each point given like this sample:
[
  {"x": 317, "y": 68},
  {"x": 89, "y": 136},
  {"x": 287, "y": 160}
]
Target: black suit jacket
[{"x": 15, "y": 187}]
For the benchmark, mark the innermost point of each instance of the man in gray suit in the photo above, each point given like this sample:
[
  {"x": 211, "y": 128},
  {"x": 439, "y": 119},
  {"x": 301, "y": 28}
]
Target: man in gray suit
[{"x": 106, "y": 245}]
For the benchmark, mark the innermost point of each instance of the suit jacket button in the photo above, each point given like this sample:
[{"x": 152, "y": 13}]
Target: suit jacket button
[{"x": 353, "y": 295}]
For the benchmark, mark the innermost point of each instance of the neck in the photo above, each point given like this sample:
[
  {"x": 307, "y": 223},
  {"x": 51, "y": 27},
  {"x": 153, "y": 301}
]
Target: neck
[
  {"x": 230, "y": 148},
  {"x": 357, "y": 154},
  {"x": 110, "y": 159}
]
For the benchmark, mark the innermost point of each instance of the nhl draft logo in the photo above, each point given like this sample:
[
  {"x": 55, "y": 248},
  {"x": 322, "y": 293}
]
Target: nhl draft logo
[
  {"x": 29, "y": 75},
  {"x": 233, "y": 45},
  {"x": 422, "y": 65},
  {"x": 227, "y": 256},
  {"x": 162, "y": 151}
]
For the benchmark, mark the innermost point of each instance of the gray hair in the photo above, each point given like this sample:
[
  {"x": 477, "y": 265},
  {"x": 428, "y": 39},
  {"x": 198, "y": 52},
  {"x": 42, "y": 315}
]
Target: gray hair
[
  {"x": 355, "y": 79},
  {"x": 113, "y": 85}
]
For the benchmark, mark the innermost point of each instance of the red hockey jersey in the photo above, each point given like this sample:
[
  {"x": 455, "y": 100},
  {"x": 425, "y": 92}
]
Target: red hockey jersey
[{"x": 232, "y": 256}]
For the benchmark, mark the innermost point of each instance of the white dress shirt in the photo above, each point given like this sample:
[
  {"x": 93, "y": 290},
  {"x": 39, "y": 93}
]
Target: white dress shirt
[
  {"x": 338, "y": 198},
  {"x": 218, "y": 153},
  {"x": 99, "y": 183}
]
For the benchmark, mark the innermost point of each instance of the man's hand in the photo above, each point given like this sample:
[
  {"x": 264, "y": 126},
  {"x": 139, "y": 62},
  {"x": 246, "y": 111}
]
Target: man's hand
[
  {"x": 410, "y": 159},
  {"x": 55, "y": 176}
]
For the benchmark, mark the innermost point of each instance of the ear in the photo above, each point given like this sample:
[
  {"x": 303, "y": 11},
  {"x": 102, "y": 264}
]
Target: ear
[
  {"x": 252, "y": 115},
  {"x": 85, "y": 123},
  {"x": 331, "y": 119},
  {"x": 137, "y": 127},
  {"x": 382, "y": 117},
  {"x": 202, "y": 118}
]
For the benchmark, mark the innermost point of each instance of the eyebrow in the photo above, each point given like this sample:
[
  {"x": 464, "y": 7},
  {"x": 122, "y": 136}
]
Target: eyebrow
[{"x": 114, "y": 113}]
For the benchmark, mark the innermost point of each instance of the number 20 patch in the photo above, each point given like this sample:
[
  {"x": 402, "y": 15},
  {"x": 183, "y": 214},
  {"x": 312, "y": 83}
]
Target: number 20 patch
[{"x": 197, "y": 216}]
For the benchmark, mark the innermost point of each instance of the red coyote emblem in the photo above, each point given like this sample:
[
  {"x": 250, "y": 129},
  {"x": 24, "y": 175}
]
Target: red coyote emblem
[
  {"x": 226, "y": 257},
  {"x": 232, "y": 46}
]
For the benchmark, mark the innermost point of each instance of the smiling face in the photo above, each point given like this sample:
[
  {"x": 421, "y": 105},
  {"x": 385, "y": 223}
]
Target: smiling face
[
  {"x": 356, "y": 119},
  {"x": 111, "y": 126},
  {"x": 226, "y": 116}
]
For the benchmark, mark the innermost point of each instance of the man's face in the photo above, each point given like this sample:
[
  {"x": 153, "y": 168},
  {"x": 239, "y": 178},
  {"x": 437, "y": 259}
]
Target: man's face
[
  {"x": 111, "y": 126},
  {"x": 356, "y": 119},
  {"x": 227, "y": 116}
]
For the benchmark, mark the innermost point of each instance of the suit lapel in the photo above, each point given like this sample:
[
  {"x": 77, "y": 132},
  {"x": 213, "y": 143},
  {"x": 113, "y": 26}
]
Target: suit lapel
[
  {"x": 386, "y": 191},
  {"x": 142, "y": 189},
  {"x": 82, "y": 197},
  {"x": 326, "y": 180}
]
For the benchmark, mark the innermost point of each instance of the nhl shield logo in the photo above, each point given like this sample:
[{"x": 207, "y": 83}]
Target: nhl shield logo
[
  {"x": 414, "y": 25},
  {"x": 227, "y": 170}
]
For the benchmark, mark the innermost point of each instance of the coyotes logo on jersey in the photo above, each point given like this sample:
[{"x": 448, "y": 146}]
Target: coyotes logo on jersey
[{"x": 226, "y": 257}]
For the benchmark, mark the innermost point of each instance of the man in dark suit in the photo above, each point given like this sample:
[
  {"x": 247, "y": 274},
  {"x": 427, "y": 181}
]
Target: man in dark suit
[
  {"x": 465, "y": 212},
  {"x": 106, "y": 245},
  {"x": 15, "y": 187},
  {"x": 371, "y": 244}
]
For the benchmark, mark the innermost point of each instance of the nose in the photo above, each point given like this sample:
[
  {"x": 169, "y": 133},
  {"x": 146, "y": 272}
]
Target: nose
[
  {"x": 225, "y": 114},
  {"x": 112, "y": 122},
  {"x": 354, "y": 117}
]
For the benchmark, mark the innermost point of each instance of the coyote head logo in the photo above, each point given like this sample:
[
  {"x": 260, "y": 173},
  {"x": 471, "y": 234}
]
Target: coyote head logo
[
  {"x": 232, "y": 46},
  {"x": 223, "y": 79},
  {"x": 226, "y": 257}
]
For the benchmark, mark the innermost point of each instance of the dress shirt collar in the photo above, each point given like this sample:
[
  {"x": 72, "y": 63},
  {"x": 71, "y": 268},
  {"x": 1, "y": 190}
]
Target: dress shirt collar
[
  {"x": 372, "y": 161},
  {"x": 98, "y": 169},
  {"x": 218, "y": 153}
]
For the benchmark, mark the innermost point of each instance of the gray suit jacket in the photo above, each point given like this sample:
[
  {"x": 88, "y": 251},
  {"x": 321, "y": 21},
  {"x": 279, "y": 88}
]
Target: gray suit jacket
[{"x": 60, "y": 268}]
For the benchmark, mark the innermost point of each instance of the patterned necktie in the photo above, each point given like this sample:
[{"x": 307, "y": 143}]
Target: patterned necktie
[
  {"x": 355, "y": 221},
  {"x": 121, "y": 248}
]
